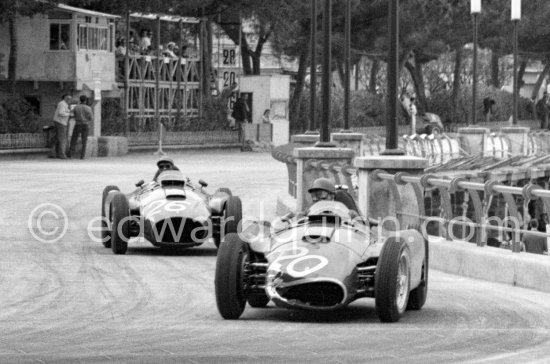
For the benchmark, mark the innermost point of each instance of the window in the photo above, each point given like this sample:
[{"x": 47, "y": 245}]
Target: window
[
  {"x": 92, "y": 37},
  {"x": 60, "y": 36}
]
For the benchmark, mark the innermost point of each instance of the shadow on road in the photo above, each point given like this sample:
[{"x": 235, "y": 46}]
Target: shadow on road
[{"x": 156, "y": 251}]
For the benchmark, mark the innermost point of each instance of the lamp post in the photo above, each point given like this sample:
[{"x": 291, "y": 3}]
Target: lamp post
[
  {"x": 347, "y": 70},
  {"x": 313, "y": 67},
  {"x": 515, "y": 16},
  {"x": 475, "y": 9},
  {"x": 393, "y": 75},
  {"x": 325, "y": 121}
]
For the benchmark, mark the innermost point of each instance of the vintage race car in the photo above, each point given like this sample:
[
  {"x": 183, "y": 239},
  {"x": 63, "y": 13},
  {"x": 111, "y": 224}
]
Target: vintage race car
[
  {"x": 322, "y": 261},
  {"x": 169, "y": 212}
]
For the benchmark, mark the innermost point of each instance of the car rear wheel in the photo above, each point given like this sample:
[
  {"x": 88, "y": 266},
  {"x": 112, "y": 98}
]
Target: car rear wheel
[
  {"x": 120, "y": 224},
  {"x": 392, "y": 280},
  {"x": 105, "y": 217},
  {"x": 230, "y": 277},
  {"x": 232, "y": 217},
  {"x": 418, "y": 296}
]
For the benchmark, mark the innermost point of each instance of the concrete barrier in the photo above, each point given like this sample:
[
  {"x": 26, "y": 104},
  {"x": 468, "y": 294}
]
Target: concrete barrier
[
  {"x": 112, "y": 146},
  {"x": 491, "y": 264},
  {"x": 91, "y": 148}
]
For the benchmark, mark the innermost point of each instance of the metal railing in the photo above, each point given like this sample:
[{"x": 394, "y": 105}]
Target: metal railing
[{"x": 479, "y": 196}]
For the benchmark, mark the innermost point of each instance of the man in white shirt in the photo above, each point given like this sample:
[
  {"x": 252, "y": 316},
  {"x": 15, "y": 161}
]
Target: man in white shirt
[{"x": 61, "y": 120}]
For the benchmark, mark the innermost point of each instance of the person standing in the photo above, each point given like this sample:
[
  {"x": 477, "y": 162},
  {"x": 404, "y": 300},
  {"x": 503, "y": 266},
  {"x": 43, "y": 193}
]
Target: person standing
[
  {"x": 542, "y": 111},
  {"x": 241, "y": 114},
  {"x": 266, "y": 118},
  {"x": 534, "y": 243},
  {"x": 413, "y": 112},
  {"x": 61, "y": 121},
  {"x": 83, "y": 118},
  {"x": 488, "y": 108}
]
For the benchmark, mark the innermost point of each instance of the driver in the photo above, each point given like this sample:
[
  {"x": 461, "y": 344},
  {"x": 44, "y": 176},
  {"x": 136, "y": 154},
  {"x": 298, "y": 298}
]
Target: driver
[
  {"x": 164, "y": 164},
  {"x": 322, "y": 189}
]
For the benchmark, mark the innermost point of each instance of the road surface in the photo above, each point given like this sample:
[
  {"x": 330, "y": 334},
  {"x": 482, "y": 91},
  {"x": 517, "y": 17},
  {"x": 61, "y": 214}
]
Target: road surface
[{"x": 74, "y": 301}]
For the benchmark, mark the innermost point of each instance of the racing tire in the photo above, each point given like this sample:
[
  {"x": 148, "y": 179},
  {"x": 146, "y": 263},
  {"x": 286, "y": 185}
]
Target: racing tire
[
  {"x": 258, "y": 300},
  {"x": 417, "y": 297},
  {"x": 105, "y": 228},
  {"x": 229, "y": 280},
  {"x": 225, "y": 190},
  {"x": 392, "y": 280},
  {"x": 232, "y": 217},
  {"x": 120, "y": 224}
]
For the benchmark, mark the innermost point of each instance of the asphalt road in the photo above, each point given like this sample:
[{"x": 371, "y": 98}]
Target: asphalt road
[{"x": 74, "y": 301}]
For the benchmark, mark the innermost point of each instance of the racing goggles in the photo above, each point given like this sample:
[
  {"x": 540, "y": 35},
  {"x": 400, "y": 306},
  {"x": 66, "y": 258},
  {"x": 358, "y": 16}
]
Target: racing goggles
[
  {"x": 165, "y": 166},
  {"x": 319, "y": 195}
]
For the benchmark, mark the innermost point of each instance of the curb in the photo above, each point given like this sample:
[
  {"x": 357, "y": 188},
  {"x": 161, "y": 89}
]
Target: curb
[
  {"x": 490, "y": 264},
  {"x": 140, "y": 148}
]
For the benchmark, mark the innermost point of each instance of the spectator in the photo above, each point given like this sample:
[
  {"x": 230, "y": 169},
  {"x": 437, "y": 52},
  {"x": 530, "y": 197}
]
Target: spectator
[
  {"x": 265, "y": 117},
  {"x": 120, "y": 50},
  {"x": 228, "y": 91},
  {"x": 145, "y": 41},
  {"x": 169, "y": 51},
  {"x": 241, "y": 114},
  {"x": 133, "y": 45},
  {"x": 542, "y": 111},
  {"x": 61, "y": 121},
  {"x": 412, "y": 113},
  {"x": 543, "y": 221},
  {"x": 488, "y": 108},
  {"x": 84, "y": 117},
  {"x": 534, "y": 243}
]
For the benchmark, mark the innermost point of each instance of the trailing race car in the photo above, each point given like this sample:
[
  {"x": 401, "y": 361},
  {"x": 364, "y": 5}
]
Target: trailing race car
[
  {"x": 169, "y": 212},
  {"x": 323, "y": 261}
]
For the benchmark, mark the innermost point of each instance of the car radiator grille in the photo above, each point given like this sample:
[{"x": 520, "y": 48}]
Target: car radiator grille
[
  {"x": 182, "y": 231},
  {"x": 320, "y": 294}
]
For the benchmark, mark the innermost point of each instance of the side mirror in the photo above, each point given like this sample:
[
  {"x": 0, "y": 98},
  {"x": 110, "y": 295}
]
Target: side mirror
[
  {"x": 202, "y": 183},
  {"x": 140, "y": 183}
]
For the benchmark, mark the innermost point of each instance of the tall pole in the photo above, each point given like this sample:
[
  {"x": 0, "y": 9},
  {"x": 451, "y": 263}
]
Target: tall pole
[
  {"x": 515, "y": 83},
  {"x": 327, "y": 20},
  {"x": 347, "y": 65},
  {"x": 157, "y": 89},
  {"x": 178, "y": 72},
  {"x": 393, "y": 74},
  {"x": 202, "y": 81},
  {"x": 313, "y": 68},
  {"x": 474, "y": 81},
  {"x": 127, "y": 74},
  {"x": 515, "y": 15}
]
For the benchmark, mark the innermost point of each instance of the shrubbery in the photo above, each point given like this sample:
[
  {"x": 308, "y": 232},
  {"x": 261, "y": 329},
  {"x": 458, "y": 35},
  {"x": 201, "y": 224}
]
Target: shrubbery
[
  {"x": 17, "y": 115},
  {"x": 440, "y": 103},
  {"x": 367, "y": 109}
]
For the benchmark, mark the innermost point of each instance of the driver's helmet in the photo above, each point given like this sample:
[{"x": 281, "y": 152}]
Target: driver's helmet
[
  {"x": 322, "y": 189},
  {"x": 165, "y": 163}
]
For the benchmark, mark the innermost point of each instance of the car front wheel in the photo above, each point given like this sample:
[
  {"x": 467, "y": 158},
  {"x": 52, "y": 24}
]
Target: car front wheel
[
  {"x": 230, "y": 277},
  {"x": 392, "y": 280},
  {"x": 120, "y": 224}
]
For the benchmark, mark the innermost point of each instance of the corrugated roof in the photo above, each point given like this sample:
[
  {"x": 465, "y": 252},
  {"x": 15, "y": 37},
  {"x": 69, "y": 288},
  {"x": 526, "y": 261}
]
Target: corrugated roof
[
  {"x": 85, "y": 11},
  {"x": 164, "y": 17}
]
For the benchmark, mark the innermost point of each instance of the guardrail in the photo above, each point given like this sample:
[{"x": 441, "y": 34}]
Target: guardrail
[{"x": 480, "y": 196}]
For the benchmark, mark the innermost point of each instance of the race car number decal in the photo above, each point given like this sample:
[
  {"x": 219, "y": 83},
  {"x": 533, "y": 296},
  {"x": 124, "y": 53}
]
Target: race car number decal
[
  {"x": 170, "y": 206},
  {"x": 320, "y": 261},
  {"x": 299, "y": 255}
]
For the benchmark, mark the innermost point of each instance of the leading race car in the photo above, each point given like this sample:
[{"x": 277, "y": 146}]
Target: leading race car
[
  {"x": 323, "y": 261},
  {"x": 168, "y": 212}
]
